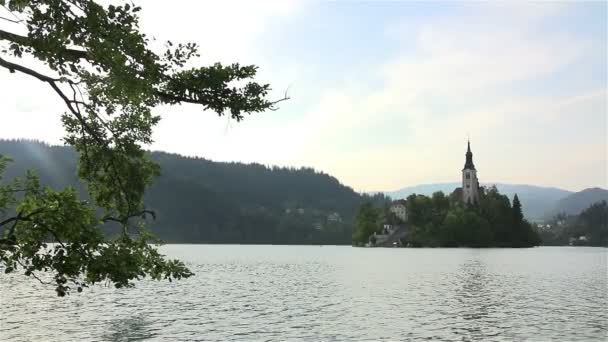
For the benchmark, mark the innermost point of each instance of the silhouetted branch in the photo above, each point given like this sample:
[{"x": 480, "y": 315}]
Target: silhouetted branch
[
  {"x": 33, "y": 274},
  {"x": 53, "y": 233},
  {"x": 17, "y": 20},
  {"x": 126, "y": 218},
  {"x": 285, "y": 98},
  {"x": 12, "y": 20},
  {"x": 19, "y": 217}
]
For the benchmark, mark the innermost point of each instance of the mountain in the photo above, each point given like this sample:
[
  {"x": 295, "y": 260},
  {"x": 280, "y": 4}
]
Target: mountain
[
  {"x": 198, "y": 200},
  {"x": 574, "y": 203},
  {"x": 536, "y": 200}
]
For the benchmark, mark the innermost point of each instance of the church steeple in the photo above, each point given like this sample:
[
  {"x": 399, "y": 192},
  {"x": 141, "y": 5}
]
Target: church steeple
[
  {"x": 469, "y": 158},
  {"x": 470, "y": 184}
]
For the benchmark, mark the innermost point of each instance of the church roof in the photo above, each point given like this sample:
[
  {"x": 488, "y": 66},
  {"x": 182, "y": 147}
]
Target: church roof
[
  {"x": 400, "y": 201},
  {"x": 469, "y": 158}
]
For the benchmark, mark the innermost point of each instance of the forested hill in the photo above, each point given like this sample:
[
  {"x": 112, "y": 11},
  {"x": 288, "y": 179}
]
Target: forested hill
[
  {"x": 197, "y": 200},
  {"x": 578, "y": 201}
]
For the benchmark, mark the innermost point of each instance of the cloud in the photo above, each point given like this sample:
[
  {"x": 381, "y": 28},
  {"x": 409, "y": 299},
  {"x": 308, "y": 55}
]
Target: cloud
[
  {"x": 225, "y": 30},
  {"x": 500, "y": 72},
  {"x": 29, "y": 108},
  {"x": 459, "y": 79}
]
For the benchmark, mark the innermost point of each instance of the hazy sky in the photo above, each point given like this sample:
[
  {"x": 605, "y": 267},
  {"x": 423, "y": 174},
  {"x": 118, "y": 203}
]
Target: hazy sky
[{"x": 384, "y": 94}]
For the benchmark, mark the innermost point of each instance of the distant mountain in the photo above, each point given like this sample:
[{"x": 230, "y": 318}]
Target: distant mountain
[
  {"x": 536, "y": 200},
  {"x": 574, "y": 203},
  {"x": 198, "y": 200},
  {"x": 423, "y": 189}
]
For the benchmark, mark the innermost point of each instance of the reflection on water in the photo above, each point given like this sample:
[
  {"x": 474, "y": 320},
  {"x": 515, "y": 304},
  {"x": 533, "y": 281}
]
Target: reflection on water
[
  {"x": 332, "y": 293},
  {"x": 134, "y": 328}
]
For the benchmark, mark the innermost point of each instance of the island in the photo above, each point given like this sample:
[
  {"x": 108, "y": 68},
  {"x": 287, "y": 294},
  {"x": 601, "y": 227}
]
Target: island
[{"x": 471, "y": 216}]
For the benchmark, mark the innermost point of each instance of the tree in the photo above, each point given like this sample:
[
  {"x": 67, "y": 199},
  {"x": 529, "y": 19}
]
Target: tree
[
  {"x": 98, "y": 62},
  {"x": 518, "y": 215},
  {"x": 366, "y": 224},
  {"x": 523, "y": 235}
]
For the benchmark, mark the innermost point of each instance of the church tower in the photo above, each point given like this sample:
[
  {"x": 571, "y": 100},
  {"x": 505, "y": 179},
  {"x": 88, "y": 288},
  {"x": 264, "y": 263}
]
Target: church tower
[{"x": 470, "y": 184}]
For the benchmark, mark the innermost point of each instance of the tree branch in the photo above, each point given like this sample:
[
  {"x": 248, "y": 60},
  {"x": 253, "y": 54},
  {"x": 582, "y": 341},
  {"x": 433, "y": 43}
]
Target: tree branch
[
  {"x": 33, "y": 274},
  {"x": 12, "y": 20},
  {"x": 272, "y": 104},
  {"x": 175, "y": 98},
  {"x": 12, "y": 67},
  {"x": 57, "y": 239},
  {"x": 20, "y": 217},
  {"x": 25, "y": 41},
  {"x": 10, "y": 239},
  {"x": 126, "y": 218},
  {"x": 17, "y": 20}
]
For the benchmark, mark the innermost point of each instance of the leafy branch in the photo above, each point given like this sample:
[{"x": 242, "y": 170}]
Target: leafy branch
[{"x": 109, "y": 80}]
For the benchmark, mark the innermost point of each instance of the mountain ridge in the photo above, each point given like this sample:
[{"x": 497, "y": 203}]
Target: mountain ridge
[
  {"x": 201, "y": 201},
  {"x": 575, "y": 203}
]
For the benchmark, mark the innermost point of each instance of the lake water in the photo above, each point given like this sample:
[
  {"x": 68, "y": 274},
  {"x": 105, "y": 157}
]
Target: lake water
[{"x": 331, "y": 293}]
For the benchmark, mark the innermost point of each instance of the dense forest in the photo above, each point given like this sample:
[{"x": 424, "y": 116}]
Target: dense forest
[
  {"x": 444, "y": 221},
  {"x": 589, "y": 228},
  {"x": 202, "y": 201}
]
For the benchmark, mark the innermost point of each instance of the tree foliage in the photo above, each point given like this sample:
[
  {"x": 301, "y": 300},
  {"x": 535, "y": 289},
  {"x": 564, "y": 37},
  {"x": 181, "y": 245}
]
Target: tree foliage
[
  {"x": 101, "y": 66},
  {"x": 366, "y": 224},
  {"x": 372, "y": 214}
]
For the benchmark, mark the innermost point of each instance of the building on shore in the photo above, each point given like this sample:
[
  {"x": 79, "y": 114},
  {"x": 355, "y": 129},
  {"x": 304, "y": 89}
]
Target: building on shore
[
  {"x": 399, "y": 208},
  {"x": 334, "y": 217}
]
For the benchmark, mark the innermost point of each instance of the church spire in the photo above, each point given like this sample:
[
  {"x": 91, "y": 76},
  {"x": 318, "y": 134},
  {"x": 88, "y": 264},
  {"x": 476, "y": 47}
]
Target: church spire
[{"x": 469, "y": 158}]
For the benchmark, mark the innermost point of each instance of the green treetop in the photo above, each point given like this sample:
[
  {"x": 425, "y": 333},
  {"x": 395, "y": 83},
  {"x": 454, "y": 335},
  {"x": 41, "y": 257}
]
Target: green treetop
[
  {"x": 367, "y": 223},
  {"x": 518, "y": 215}
]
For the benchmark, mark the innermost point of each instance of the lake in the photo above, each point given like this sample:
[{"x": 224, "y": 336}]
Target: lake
[{"x": 331, "y": 293}]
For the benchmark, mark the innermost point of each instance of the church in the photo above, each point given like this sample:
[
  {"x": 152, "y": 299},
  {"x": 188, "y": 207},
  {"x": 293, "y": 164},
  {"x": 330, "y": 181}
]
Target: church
[{"x": 469, "y": 192}]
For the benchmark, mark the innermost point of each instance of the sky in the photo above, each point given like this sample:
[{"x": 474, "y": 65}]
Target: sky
[{"x": 384, "y": 94}]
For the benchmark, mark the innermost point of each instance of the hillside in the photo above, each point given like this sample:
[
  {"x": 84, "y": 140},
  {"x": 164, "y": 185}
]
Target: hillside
[
  {"x": 574, "y": 203},
  {"x": 536, "y": 200},
  {"x": 589, "y": 227},
  {"x": 198, "y": 200}
]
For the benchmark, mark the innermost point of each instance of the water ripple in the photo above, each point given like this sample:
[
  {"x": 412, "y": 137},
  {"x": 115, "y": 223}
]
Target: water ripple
[{"x": 270, "y": 293}]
